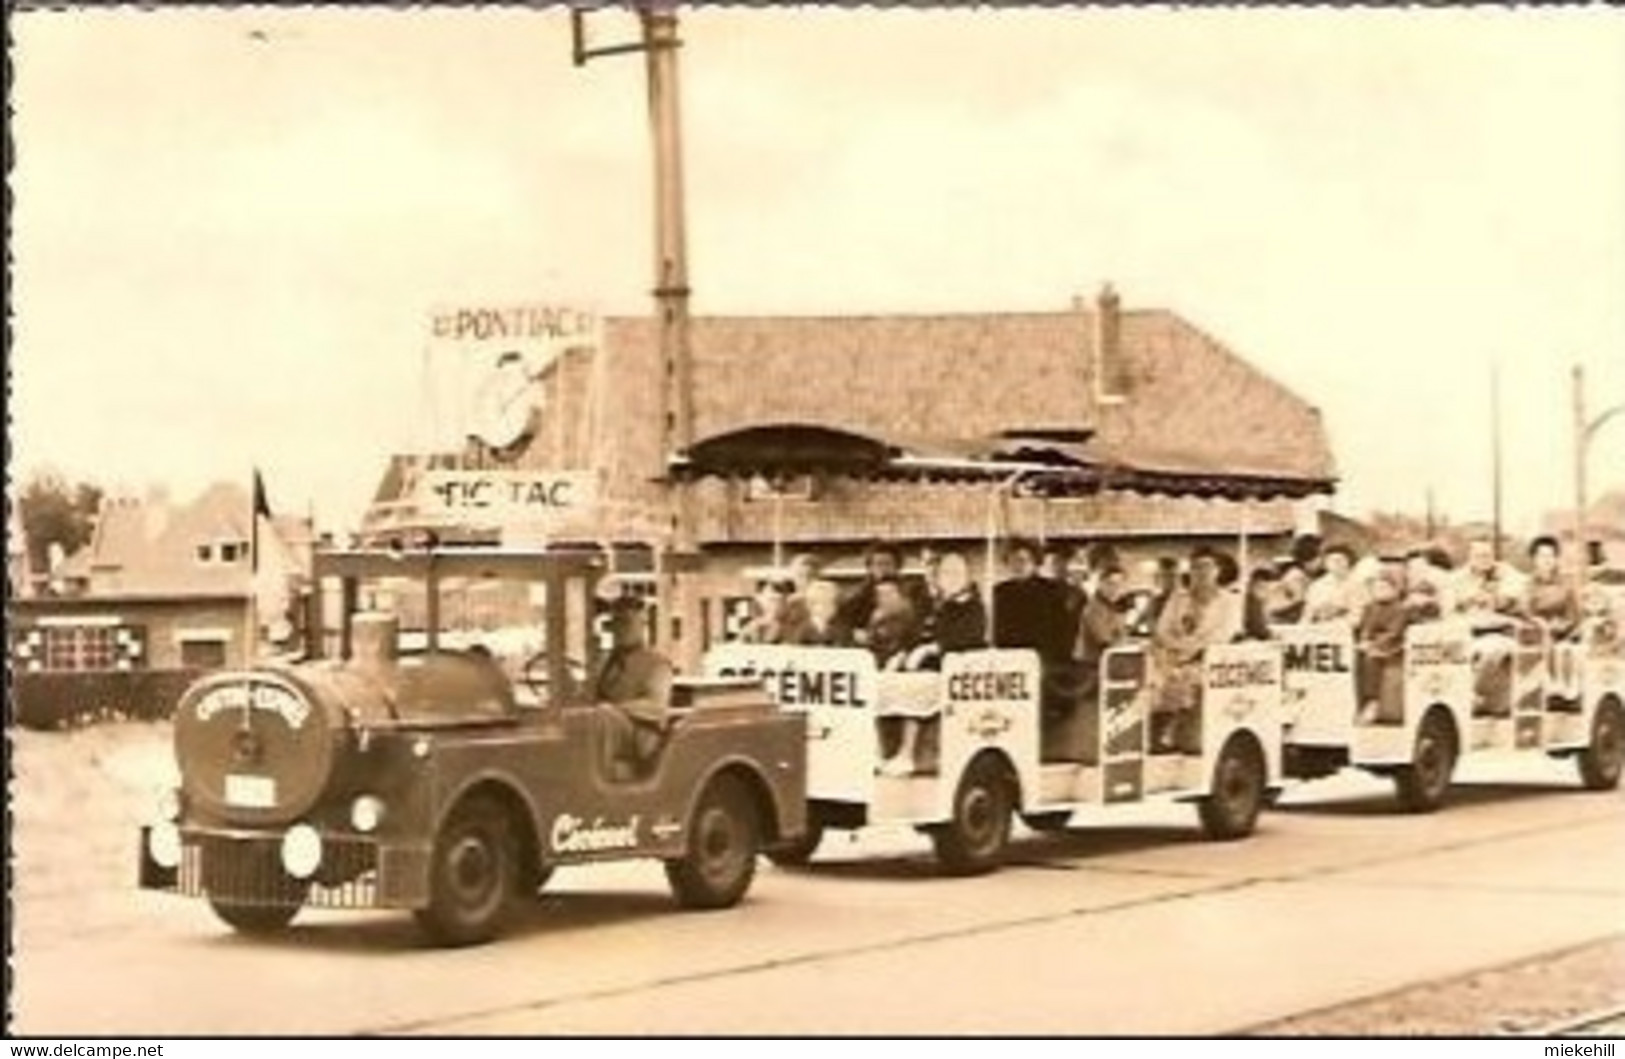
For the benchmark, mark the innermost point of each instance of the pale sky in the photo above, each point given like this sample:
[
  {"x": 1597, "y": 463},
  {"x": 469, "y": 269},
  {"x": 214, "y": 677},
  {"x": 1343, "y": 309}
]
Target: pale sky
[{"x": 230, "y": 225}]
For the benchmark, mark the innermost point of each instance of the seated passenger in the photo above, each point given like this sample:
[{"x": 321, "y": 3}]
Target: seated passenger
[
  {"x": 1548, "y": 596},
  {"x": 1194, "y": 618},
  {"x": 1029, "y": 611},
  {"x": 1255, "y": 605},
  {"x": 1379, "y": 641},
  {"x": 1336, "y": 595},
  {"x": 1103, "y": 626},
  {"x": 1428, "y": 572},
  {"x": 803, "y": 571},
  {"x": 1488, "y": 593},
  {"x": 767, "y": 624},
  {"x": 818, "y": 623},
  {"x": 1288, "y": 602},
  {"x": 881, "y": 562},
  {"x": 1055, "y": 566},
  {"x": 961, "y": 621},
  {"x": 633, "y": 691},
  {"x": 893, "y": 625}
]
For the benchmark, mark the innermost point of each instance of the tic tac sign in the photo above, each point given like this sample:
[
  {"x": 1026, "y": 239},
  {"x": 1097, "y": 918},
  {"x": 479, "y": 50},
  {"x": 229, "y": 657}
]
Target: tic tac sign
[{"x": 508, "y": 496}]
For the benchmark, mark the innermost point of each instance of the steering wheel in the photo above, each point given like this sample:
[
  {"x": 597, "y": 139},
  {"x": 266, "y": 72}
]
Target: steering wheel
[{"x": 537, "y": 678}]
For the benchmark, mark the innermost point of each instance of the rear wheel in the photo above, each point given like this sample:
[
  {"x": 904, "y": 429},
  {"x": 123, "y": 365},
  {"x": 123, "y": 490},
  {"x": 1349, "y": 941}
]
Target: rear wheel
[
  {"x": 1231, "y": 809},
  {"x": 1421, "y": 785},
  {"x": 474, "y": 872},
  {"x": 723, "y": 840},
  {"x": 257, "y": 920},
  {"x": 973, "y": 841},
  {"x": 1600, "y": 762},
  {"x": 799, "y": 852}
]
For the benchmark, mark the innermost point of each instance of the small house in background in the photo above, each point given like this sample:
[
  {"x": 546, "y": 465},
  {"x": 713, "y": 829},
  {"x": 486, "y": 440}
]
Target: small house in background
[{"x": 162, "y": 590}]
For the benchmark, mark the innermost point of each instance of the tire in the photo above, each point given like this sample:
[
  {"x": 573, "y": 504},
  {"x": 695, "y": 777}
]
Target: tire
[
  {"x": 1047, "y": 822},
  {"x": 799, "y": 852},
  {"x": 1600, "y": 762},
  {"x": 473, "y": 875},
  {"x": 255, "y": 920},
  {"x": 1421, "y": 785},
  {"x": 974, "y": 840},
  {"x": 724, "y": 838},
  {"x": 1230, "y": 811}
]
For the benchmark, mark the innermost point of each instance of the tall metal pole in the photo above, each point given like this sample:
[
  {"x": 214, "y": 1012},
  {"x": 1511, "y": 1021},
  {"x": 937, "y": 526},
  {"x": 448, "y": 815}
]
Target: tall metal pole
[
  {"x": 681, "y": 632},
  {"x": 1495, "y": 443},
  {"x": 1580, "y": 440}
]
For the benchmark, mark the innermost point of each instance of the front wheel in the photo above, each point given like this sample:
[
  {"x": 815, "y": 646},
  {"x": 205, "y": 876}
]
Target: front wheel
[
  {"x": 973, "y": 841},
  {"x": 723, "y": 840},
  {"x": 1601, "y": 761},
  {"x": 799, "y": 852},
  {"x": 1421, "y": 785},
  {"x": 473, "y": 875},
  {"x": 257, "y": 920},
  {"x": 1231, "y": 809}
]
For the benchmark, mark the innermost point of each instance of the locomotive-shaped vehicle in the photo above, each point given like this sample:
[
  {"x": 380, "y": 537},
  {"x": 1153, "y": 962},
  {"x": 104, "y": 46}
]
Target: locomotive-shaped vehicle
[
  {"x": 453, "y": 782},
  {"x": 999, "y": 755},
  {"x": 1564, "y": 698}
]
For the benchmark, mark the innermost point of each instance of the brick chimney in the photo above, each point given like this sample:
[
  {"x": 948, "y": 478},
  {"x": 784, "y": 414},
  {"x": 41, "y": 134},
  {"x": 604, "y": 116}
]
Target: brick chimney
[{"x": 1111, "y": 370}]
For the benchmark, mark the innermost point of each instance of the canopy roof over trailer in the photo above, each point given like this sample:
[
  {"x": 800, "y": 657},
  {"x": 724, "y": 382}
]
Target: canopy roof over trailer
[{"x": 1042, "y": 462}]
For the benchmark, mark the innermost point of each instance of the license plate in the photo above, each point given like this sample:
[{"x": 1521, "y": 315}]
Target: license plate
[{"x": 251, "y": 792}]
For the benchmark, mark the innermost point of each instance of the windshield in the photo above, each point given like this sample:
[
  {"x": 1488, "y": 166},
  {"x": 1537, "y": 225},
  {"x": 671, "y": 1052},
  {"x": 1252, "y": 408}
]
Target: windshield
[{"x": 519, "y": 620}]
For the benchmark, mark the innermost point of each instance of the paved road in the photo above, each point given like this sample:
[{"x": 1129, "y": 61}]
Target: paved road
[{"x": 1130, "y": 926}]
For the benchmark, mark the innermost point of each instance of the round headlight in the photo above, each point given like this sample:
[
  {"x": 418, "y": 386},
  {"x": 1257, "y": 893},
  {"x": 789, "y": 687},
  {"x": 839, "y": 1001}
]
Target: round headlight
[
  {"x": 169, "y": 805},
  {"x": 366, "y": 813},
  {"x": 164, "y": 845},
  {"x": 301, "y": 851}
]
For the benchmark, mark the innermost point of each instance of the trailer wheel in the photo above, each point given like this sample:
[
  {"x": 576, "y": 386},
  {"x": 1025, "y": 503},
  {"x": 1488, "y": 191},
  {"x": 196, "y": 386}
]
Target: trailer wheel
[
  {"x": 255, "y": 920},
  {"x": 973, "y": 842},
  {"x": 1600, "y": 762},
  {"x": 723, "y": 840},
  {"x": 1231, "y": 810},
  {"x": 473, "y": 875},
  {"x": 799, "y": 852},
  {"x": 1421, "y": 785}
]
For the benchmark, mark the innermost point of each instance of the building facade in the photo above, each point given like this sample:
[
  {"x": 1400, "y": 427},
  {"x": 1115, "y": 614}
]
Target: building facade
[{"x": 795, "y": 420}]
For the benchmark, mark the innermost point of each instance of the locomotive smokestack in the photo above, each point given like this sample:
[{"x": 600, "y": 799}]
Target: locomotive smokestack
[{"x": 373, "y": 640}]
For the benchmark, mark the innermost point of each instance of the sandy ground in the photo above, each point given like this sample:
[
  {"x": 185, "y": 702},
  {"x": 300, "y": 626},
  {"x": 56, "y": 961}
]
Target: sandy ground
[
  {"x": 77, "y": 800},
  {"x": 1522, "y": 998}
]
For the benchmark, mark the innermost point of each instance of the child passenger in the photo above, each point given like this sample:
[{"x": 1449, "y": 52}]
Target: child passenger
[{"x": 1380, "y": 642}]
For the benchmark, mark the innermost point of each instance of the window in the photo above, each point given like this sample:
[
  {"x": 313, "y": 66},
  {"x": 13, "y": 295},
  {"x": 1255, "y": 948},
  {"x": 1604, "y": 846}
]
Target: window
[
  {"x": 205, "y": 553},
  {"x": 800, "y": 487},
  {"x": 203, "y": 654},
  {"x": 229, "y": 551},
  {"x": 81, "y": 647}
]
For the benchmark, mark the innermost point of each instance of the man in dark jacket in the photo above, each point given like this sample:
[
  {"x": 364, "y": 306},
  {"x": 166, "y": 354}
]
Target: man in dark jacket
[{"x": 1029, "y": 610}]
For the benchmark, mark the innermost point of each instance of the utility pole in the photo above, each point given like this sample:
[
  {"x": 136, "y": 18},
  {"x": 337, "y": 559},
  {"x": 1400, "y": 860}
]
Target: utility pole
[
  {"x": 1495, "y": 450},
  {"x": 1584, "y": 430},
  {"x": 679, "y": 633}
]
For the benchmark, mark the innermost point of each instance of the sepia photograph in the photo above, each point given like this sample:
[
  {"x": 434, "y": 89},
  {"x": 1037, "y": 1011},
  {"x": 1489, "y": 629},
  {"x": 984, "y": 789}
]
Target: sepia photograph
[{"x": 652, "y": 520}]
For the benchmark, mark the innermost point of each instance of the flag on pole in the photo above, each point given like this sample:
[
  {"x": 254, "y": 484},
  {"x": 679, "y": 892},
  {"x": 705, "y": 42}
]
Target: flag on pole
[
  {"x": 262, "y": 509},
  {"x": 268, "y": 567}
]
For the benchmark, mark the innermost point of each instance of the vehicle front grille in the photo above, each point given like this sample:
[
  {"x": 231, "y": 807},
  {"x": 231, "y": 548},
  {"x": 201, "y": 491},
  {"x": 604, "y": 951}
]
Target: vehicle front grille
[{"x": 247, "y": 870}]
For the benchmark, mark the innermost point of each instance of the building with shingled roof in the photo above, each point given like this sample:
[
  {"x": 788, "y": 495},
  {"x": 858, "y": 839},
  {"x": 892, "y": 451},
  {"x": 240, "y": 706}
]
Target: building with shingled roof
[{"x": 779, "y": 400}]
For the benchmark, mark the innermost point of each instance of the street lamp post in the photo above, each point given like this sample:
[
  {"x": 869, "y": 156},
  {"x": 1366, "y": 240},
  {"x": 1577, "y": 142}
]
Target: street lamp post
[{"x": 1584, "y": 430}]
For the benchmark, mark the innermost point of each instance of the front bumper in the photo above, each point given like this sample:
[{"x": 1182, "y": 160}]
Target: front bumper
[{"x": 245, "y": 868}]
